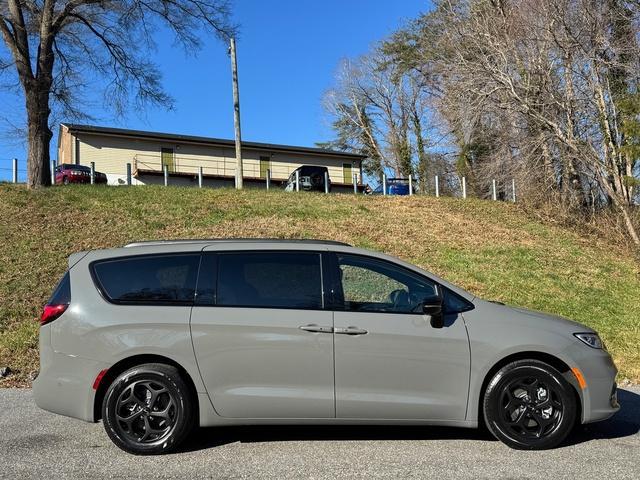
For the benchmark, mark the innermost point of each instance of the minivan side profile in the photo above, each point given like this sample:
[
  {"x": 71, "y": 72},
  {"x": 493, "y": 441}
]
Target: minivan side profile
[{"x": 157, "y": 337}]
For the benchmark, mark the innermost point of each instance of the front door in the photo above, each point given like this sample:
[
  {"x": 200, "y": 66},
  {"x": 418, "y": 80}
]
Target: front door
[
  {"x": 262, "y": 340},
  {"x": 264, "y": 166},
  {"x": 167, "y": 158},
  {"x": 347, "y": 173},
  {"x": 390, "y": 362}
]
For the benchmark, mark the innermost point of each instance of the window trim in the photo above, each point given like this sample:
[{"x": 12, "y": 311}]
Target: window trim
[
  {"x": 339, "y": 302},
  {"x": 140, "y": 303},
  {"x": 216, "y": 254}
]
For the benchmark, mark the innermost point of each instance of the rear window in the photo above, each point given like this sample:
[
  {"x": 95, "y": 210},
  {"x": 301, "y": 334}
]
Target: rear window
[
  {"x": 62, "y": 293},
  {"x": 148, "y": 280},
  {"x": 270, "y": 279}
]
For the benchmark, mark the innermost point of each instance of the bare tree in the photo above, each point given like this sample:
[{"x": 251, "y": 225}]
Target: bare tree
[{"x": 56, "y": 45}]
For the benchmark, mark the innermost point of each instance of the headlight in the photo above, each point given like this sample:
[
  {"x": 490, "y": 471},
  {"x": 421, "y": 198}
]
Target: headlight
[{"x": 591, "y": 339}]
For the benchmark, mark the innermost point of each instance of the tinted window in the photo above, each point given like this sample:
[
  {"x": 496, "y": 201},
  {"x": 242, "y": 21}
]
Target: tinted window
[
  {"x": 80, "y": 168},
  {"x": 166, "y": 279},
  {"x": 62, "y": 293},
  {"x": 370, "y": 285},
  {"x": 269, "y": 279}
]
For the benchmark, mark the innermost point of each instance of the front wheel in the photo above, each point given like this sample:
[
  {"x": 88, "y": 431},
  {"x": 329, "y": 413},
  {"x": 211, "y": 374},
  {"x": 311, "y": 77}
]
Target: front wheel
[
  {"x": 148, "y": 409},
  {"x": 529, "y": 405}
]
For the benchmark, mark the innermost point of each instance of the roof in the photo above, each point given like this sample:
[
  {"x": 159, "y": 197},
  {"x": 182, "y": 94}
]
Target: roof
[
  {"x": 236, "y": 240},
  {"x": 121, "y": 132}
]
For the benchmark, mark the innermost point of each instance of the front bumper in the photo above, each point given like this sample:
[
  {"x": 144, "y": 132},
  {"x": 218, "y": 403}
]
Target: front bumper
[{"x": 599, "y": 396}]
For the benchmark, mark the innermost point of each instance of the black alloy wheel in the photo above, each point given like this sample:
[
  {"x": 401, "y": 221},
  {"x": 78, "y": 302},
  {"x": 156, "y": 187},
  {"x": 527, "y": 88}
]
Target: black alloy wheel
[
  {"x": 148, "y": 410},
  {"x": 529, "y": 405}
]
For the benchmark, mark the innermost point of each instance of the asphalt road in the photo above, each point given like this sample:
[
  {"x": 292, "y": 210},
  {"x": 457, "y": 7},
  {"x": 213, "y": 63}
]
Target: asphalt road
[{"x": 37, "y": 444}]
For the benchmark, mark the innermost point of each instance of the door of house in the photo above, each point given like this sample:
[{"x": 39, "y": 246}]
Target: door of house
[
  {"x": 265, "y": 164},
  {"x": 347, "y": 172},
  {"x": 167, "y": 159}
]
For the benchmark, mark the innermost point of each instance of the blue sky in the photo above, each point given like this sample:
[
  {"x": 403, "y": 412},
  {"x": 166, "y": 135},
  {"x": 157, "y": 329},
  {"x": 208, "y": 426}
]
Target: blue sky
[{"x": 288, "y": 52}]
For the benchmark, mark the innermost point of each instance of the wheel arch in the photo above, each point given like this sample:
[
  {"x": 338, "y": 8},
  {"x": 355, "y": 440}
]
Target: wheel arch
[
  {"x": 132, "y": 361},
  {"x": 547, "y": 358}
]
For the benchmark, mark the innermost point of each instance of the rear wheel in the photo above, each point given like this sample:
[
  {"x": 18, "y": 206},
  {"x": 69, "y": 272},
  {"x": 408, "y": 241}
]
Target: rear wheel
[
  {"x": 148, "y": 409},
  {"x": 529, "y": 405},
  {"x": 65, "y": 180}
]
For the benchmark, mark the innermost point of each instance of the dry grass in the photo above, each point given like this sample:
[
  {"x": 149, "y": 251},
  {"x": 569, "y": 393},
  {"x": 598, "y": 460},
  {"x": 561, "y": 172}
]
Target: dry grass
[{"x": 496, "y": 250}]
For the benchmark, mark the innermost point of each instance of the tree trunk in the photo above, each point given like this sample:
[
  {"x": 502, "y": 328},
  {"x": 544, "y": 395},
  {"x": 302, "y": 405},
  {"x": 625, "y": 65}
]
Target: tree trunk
[{"x": 39, "y": 136}]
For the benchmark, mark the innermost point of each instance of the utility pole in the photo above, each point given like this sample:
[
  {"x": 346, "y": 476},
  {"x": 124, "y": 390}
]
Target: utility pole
[{"x": 236, "y": 113}]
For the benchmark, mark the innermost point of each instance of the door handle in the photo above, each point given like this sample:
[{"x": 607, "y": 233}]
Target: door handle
[
  {"x": 316, "y": 328},
  {"x": 350, "y": 331}
]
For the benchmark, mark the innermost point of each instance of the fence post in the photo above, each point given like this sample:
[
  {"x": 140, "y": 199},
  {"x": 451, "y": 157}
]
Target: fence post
[
  {"x": 93, "y": 173},
  {"x": 464, "y": 187},
  {"x": 200, "y": 176},
  {"x": 493, "y": 190},
  {"x": 410, "y": 185},
  {"x": 513, "y": 189},
  {"x": 384, "y": 184},
  {"x": 355, "y": 183},
  {"x": 437, "y": 187},
  {"x": 326, "y": 182},
  {"x": 268, "y": 178},
  {"x": 165, "y": 169},
  {"x": 297, "y": 180},
  {"x": 128, "y": 174},
  {"x": 15, "y": 170},
  {"x": 53, "y": 172}
]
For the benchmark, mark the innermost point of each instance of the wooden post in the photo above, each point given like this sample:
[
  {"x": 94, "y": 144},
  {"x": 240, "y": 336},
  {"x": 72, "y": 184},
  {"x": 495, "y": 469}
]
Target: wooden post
[
  {"x": 93, "y": 173},
  {"x": 410, "y": 185},
  {"x": 464, "y": 187},
  {"x": 128, "y": 174},
  {"x": 236, "y": 113},
  {"x": 437, "y": 187},
  {"x": 15, "y": 170},
  {"x": 200, "y": 176}
]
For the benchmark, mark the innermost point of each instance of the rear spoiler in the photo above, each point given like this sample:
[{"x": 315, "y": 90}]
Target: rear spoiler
[{"x": 76, "y": 257}]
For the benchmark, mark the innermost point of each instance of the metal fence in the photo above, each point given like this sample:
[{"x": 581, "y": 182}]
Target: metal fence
[{"x": 11, "y": 170}]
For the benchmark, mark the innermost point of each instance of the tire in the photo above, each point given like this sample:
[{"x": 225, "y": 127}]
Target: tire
[
  {"x": 148, "y": 409},
  {"x": 528, "y": 405},
  {"x": 65, "y": 181}
]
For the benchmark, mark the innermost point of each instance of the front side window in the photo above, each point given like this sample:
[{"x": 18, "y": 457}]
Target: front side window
[
  {"x": 370, "y": 285},
  {"x": 149, "y": 280},
  {"x": 270, "y": 279}
]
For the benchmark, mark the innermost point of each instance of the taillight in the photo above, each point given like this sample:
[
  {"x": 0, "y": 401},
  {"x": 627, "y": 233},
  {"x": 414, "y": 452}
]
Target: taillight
[{"x": 51, "y": 312}]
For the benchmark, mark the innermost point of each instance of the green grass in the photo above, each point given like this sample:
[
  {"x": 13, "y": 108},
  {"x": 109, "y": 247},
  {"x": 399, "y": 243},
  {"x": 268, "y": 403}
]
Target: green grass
[{"x": 494, "y": 249}]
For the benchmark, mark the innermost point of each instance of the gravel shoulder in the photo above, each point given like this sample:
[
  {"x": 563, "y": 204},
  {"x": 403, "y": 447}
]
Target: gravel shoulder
[{"x": 37, "y": 444}]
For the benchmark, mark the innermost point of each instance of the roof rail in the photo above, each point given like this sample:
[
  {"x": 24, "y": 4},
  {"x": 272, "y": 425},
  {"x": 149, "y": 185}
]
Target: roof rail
[{"x": 147, "y": 243}]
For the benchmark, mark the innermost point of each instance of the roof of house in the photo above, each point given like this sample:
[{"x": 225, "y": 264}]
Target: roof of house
[{"x": 121, "y": 132}]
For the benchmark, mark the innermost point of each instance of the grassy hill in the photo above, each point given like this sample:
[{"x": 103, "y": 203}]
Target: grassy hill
[{"x": 494, "y": 249}]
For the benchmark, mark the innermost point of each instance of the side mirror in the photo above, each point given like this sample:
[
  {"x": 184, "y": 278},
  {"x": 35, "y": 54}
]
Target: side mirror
[{"x": 433, "y": 307}]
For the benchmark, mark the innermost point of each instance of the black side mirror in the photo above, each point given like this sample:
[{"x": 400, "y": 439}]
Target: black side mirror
[{"x": 434, "y": 308}]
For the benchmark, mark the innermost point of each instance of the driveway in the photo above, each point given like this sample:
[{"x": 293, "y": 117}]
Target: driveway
[{"x": 37, "y": 444}]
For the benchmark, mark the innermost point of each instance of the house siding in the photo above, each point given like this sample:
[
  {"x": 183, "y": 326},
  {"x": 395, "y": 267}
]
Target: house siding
[{"x": 112, "y": 153}]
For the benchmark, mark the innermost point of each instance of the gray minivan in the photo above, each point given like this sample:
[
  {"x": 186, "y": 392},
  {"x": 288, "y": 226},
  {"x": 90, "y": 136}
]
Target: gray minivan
[{"x": 158, "y": 337}]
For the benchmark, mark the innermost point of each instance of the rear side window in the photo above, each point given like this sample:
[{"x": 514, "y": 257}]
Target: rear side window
[
  {"x": 270, "y": 279},
  {"x": 62, "y": 293},
  {"x": 148, "y": 280}
]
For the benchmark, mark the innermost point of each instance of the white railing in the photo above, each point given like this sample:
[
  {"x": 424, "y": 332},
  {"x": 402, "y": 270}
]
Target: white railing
[{"x": 225, "y": 167}]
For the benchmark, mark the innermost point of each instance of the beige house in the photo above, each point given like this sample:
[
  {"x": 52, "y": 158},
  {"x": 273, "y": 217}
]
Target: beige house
[{"x": 111, "y": 149}]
